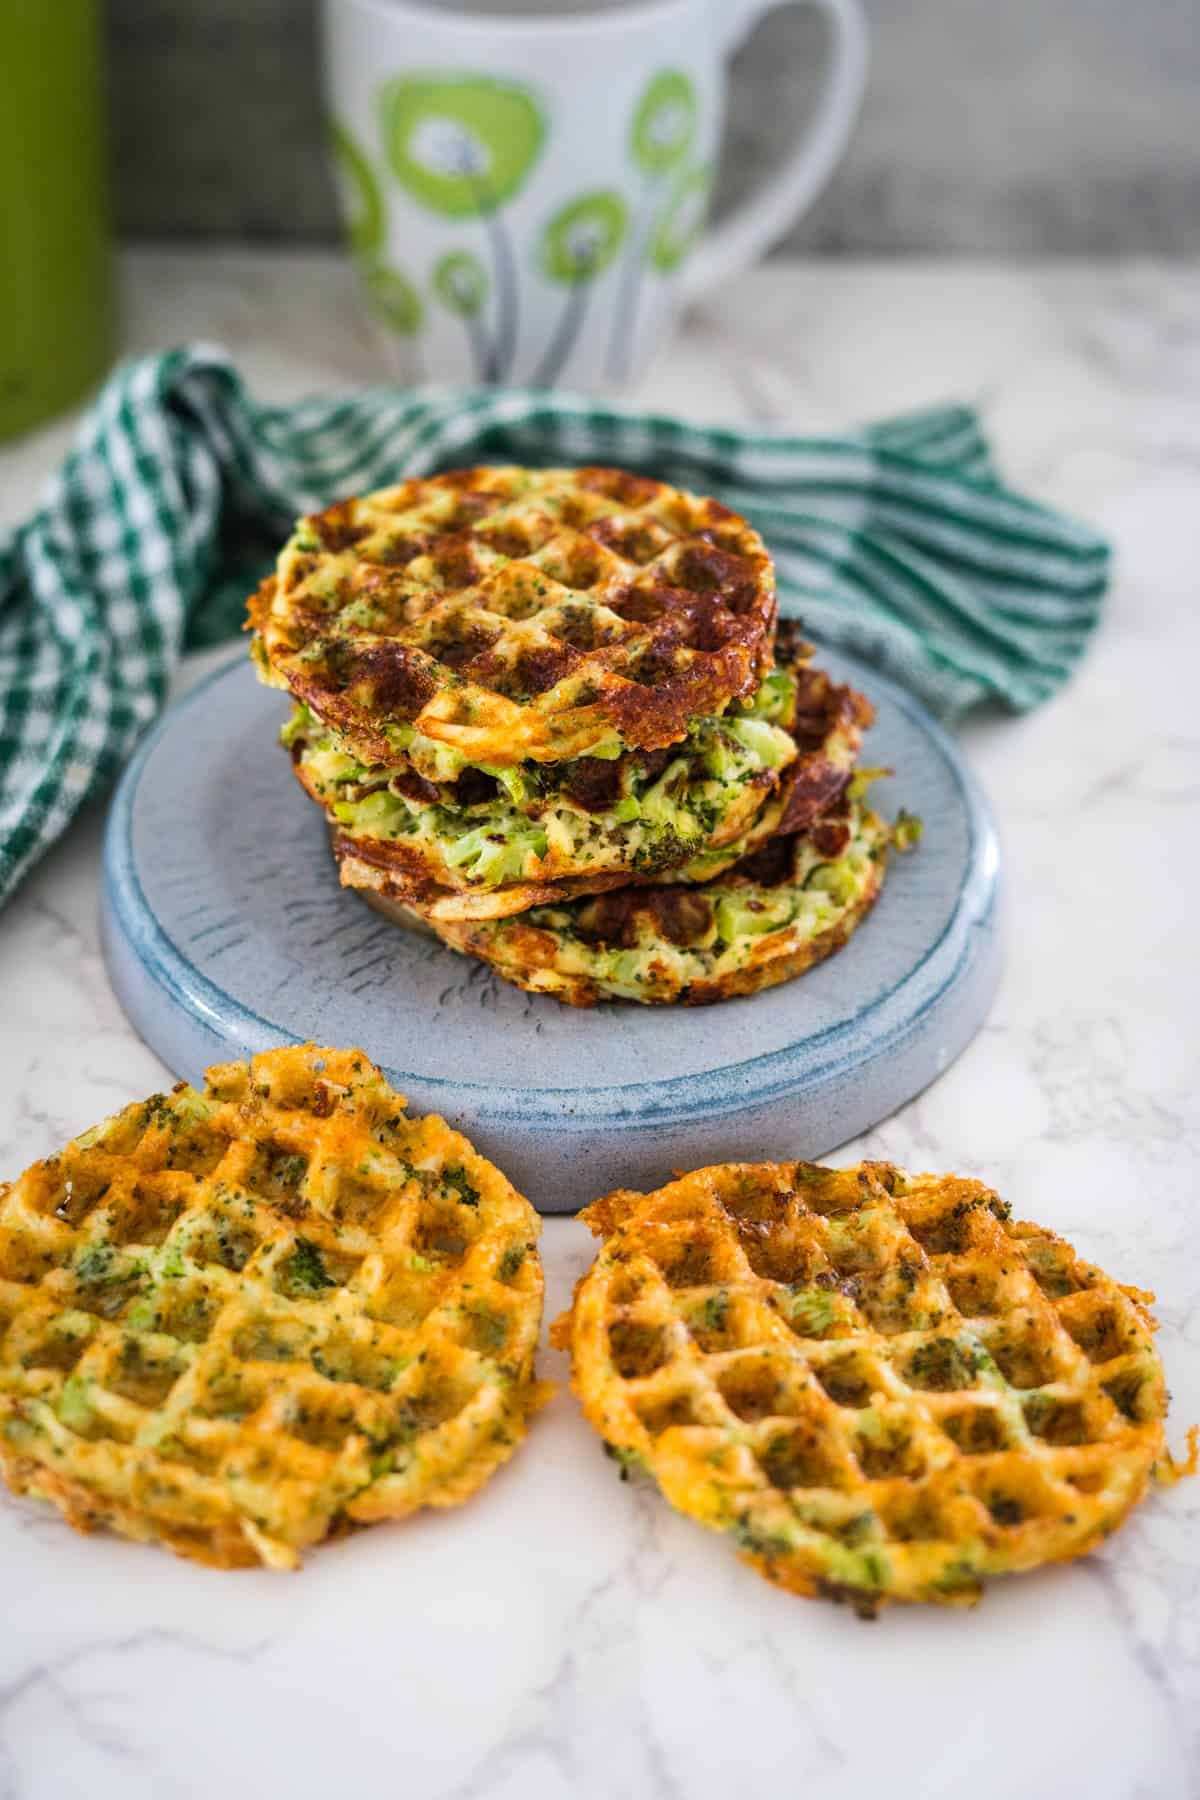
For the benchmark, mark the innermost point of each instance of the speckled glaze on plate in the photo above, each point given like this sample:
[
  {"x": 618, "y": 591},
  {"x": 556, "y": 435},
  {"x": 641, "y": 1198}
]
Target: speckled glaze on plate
[{"x": 226, "y": 932}]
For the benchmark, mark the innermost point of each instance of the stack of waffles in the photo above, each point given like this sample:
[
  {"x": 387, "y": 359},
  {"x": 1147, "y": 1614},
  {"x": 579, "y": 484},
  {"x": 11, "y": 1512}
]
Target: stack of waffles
[{"x": 552, "y": 718}]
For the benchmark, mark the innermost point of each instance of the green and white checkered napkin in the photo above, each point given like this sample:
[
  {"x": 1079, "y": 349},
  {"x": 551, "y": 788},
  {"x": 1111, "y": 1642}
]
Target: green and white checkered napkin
[{"x": 897, "y": 542}]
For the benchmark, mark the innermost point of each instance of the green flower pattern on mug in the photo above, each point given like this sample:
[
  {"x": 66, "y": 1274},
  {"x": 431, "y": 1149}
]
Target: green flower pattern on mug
[
  {"x": 364, "y": 202},
  {"x": 394, "y": 298},
  {"x": 664, "y": 122},
  {"x": 662, "y": 133},
  {"x": 461, "y": 283},
  {"x": 678, "y": 229},
  {"x": 578, "y": 244},
  {"x": 583, "y": 237},
  {"x": 392, "y": 295},
  {"x": 462, "y": 146}
]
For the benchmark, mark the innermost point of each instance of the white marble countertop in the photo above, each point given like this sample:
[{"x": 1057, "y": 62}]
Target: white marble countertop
[{"x": 567, "y": 1636}]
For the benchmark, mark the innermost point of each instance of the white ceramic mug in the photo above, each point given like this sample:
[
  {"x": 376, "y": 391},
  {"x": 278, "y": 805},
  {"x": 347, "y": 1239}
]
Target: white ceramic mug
[{"x": 526, "y": 196}]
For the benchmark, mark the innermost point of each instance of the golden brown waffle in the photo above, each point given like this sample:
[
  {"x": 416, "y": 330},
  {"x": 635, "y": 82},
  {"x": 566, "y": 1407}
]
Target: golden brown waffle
[
  {"x": 236, "y": 1321},
  {"x": 876, "y": 1383},
  {"x": 512, "y": 613},
  {"x": 391, "y": 883},
  {"x": 417, "y": 861},
  {"x": 827, "y": 730},
  {"x": 766, "y": 921}
]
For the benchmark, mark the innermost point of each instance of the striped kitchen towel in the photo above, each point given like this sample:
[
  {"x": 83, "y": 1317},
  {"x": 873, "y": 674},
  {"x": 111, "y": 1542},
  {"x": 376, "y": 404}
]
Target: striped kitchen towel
[{"x": 897, "y": 541}]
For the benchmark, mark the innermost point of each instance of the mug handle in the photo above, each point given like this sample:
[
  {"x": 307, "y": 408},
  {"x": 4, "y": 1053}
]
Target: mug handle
[{"x": 754, "y": 226}]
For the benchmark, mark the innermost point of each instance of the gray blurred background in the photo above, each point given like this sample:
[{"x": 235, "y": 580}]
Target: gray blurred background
[{"x": 991, "y": 127}]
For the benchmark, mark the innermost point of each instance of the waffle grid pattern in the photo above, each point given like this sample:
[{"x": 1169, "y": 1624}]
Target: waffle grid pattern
[
  {"x": 879, "y": 1385},
  {"x": 516, "y": 614},
  {"x": 236, "y": 1321}
]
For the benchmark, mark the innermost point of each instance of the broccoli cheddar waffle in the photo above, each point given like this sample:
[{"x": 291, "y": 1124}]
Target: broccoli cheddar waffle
[
  {"x": 511, "y": 831},
  {"x": 682, "y": 814},
  {"x": 524, "y": 697},
  {"x": 877, "y": 1384},
  {"x": 516, "y": 600},
  {"x": 490, "y": 616},
  {"x": 765, "y": 921},
  {"x": 234, "y": 1321}
]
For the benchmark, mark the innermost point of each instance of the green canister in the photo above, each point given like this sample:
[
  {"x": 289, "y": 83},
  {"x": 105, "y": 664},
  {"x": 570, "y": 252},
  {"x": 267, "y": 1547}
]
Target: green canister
[{"x": 56, "y": 294}]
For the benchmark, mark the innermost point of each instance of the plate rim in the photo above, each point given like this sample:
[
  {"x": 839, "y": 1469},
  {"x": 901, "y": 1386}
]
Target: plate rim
[{"x": 672, "y": 1100}]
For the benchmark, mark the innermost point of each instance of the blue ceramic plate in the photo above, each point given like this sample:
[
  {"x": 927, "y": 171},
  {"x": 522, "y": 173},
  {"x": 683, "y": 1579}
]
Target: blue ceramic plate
[{"x": 226, "y": 932}]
